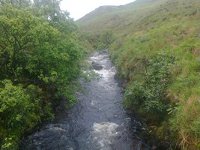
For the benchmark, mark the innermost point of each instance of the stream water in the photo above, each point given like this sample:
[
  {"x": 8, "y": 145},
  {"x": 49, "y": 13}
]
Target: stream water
[{"x": 97, "y": 122}]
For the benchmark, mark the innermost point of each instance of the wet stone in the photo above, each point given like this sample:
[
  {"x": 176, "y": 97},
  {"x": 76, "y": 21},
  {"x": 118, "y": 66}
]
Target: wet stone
[{"x": 96, "y": 66}]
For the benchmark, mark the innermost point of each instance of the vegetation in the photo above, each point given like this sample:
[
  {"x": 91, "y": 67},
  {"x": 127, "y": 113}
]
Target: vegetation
[
  {"x": 147, "y": 95},
  {"x": 157, "y": 50},
  {"x": 99, "y": 41},
  {"x": 40, "y": 54}
]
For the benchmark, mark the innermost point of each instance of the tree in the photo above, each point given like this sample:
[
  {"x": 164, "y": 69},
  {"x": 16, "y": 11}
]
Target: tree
[
  {"x": 19, "y": 3},
  {"x": 39, "y": 60}
]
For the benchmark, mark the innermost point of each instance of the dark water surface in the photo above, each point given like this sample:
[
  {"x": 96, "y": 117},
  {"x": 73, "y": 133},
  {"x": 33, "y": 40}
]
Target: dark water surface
[{"x": 97, "y": 122}]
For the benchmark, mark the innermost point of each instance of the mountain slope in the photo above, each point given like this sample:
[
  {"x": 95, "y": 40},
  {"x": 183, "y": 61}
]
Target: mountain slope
[
  {"x": 116, "y": 17},
  {"x": 131, "y": 15},
  {"x": 156, "y": 48}
]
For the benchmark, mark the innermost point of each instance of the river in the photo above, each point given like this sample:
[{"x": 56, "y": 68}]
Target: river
[{"x": 97, "y": 122}]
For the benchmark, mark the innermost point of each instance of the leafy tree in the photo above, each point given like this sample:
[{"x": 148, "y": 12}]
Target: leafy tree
[
  {"x": 18, "y": 112},
  {"x": 19, "y": 3},
  {"x": 39, "y": 62}
]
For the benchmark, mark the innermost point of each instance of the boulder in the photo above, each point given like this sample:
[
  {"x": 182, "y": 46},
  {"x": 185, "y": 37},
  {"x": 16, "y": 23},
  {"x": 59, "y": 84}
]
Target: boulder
[{"x": 96, "y": 66}]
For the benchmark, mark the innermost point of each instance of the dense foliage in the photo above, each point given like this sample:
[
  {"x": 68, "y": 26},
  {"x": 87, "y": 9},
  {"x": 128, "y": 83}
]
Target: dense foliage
[
  {"x": 99, "y": 41},
  {"x": 165, "y": 89},
  {"x": 147, "y": 95},
  {"x": 40, "y": 59}
]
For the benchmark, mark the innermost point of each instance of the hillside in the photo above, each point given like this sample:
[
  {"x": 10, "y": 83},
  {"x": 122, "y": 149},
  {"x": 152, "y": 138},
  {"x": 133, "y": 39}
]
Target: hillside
[
  {"x": 155, "y": 45},
  {"x": 118, "y": 17},
  {"x": 123, "y": 18}
]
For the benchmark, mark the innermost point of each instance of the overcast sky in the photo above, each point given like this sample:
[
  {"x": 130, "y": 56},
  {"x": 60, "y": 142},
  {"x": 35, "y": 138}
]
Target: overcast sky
[{"x": 79, "y": 8}]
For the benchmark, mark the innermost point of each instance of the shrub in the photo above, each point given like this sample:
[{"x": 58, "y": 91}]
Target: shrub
[
  {"x": 148, "y": 95},
  {"x": 18, "y": 112}
]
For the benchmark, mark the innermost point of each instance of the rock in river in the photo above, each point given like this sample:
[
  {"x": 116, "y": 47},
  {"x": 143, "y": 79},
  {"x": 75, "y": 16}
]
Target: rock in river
[{"x": 96, "y": 66}]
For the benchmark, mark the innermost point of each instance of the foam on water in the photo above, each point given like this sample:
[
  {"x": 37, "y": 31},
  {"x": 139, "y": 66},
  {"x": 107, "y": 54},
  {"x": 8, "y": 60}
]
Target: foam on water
[{"x": 104, "y": 133}]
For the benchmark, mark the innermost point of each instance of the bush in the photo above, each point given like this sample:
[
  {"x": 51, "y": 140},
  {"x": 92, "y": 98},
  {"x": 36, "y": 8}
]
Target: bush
[
  {"x": 101, "y": 40},
  {"x": 148, "y": 95},
  {"x": 18, "y": 112}
]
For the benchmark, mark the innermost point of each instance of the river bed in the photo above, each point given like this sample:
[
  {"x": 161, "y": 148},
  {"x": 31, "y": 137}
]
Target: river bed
[{"x": 97, "y": 122}]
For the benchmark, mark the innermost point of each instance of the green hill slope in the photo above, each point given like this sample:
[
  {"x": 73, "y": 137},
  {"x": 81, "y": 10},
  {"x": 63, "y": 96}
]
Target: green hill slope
[
  {"x": 118, "y": 17},
  {"x": 156, "y": 48}
]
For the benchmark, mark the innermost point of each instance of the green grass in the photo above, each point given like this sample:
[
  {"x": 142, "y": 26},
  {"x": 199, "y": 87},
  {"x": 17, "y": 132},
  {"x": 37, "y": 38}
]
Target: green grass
[{"x": 144, "y": 29}]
